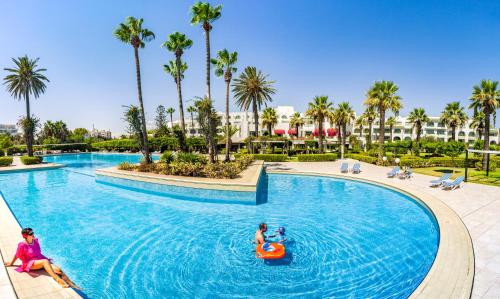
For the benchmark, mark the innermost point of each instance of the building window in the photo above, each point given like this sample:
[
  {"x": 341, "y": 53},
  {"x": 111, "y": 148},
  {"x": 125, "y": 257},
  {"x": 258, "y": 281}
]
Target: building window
[
  {"x": 407, "y": 131},
  {"x": 430, "y": 124}
]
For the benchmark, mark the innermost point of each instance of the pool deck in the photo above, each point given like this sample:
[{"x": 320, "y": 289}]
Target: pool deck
[
  {"x": 478, "y": 207},
  {"x": 18, "y": 166}
]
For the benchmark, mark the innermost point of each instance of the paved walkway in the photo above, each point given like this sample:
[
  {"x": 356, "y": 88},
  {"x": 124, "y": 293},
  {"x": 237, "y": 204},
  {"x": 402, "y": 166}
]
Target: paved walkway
[
  {"x": 18, "y": 166},
  {"x": 477, "y": 205}
]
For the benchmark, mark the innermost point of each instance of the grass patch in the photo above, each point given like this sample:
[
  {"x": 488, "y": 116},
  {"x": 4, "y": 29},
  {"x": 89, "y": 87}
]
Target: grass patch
[{"x": 474, "y": 176}]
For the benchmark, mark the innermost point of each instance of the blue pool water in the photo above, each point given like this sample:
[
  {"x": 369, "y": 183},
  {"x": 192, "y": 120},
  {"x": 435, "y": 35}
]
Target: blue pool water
[{"x": 348, "y": 239}]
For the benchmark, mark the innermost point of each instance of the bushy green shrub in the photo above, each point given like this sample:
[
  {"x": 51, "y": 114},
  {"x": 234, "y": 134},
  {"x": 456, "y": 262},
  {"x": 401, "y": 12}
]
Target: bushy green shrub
[
  {"x": 449, "y": 162},
  {"x": 127, "y": 166},
  {"x": 5, "y": 161},
  {"x": 363, "y": 158},
  {"x": 244, "y": 161},
  {"x": 190, "y": 158},
  {"x": 317, "y": 157},
  {"x": 196, "y": 143},
  {"x": 186, "y": 169},
  {"x": 27, "y": 160},
  {"x": 16, "y": 149},
  {"x": 414, "y": 161},
  {"x": 162, "y": 144},
  {"x": 221, "y": 170},
  {"x": 117, "y": 145},
  {"x": 167, "y": 157},
  {"x": 243, "y": 151},
  {"x": 492, "y": 166},
  {"x": 270, "y": 157}
]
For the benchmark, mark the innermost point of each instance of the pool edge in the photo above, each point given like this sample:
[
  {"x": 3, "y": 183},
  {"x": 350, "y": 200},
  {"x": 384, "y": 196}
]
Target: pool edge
[{"x": 452, "y": 272}]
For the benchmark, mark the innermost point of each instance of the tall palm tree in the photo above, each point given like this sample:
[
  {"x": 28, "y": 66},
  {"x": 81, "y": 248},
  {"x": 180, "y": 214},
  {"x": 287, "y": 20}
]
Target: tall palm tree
[
  {"x": 418, "y": 117},
  {"x": 319, "y": 109},
  {"x": 477, "y": 123},
  {"x": 453, "y": 116},
  {"x": 171, "y": 69},
  {"x": 177, "y": 43},
  {"x": 204, "y": 13},
  {"x": 382, "y": 95},
  {"x": 26, "y": 80},
  {"x": 191, "y": 110},
  {"x": 253, "y": 89},
  {"x": 359, "y": 123},
  {"x": 486, "y": 98},
  {"x": 391, "y": 122},
  {"x": 269, "y": 119},
  {"x": 370, "y": 115},
  {"x": 343, "y": 115},
  {"x": 131, "y": 32},
  {"x": 171, "y": 111},
  {"x": 297, "y": 121},
  {"x": 224, "y": 66}
]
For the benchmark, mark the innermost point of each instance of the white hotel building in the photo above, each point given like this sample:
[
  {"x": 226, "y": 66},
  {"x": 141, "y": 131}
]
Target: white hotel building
[{"x": 403, "y": 130}]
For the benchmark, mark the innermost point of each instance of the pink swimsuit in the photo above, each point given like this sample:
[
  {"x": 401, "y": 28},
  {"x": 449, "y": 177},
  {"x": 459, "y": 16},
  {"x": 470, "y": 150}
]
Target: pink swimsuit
[{"x": 28, "y": 254}]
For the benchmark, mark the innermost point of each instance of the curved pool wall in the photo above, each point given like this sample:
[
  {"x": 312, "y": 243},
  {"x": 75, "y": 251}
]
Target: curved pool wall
[{"x": 348, "y": 239}]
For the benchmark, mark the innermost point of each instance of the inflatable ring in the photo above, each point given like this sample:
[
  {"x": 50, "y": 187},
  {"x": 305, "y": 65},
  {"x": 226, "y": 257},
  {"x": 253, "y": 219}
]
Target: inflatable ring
[{"x": 277, "y": 251}]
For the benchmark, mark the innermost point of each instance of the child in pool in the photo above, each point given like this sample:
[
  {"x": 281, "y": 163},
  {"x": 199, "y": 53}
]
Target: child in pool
[{"x": 281, "y": 236}]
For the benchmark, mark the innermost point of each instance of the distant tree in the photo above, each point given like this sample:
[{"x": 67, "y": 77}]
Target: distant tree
[
  {"x": 161, "y": 122},
  {"x": 224, "y": 66},
  {"x": 359, "y": 123},
  {"x": 269, "y": 119},
  {"x": 454, "y": 116},
  {"x": 382, "y": 95},
  {"x": 370, "y": 115},
  {"x": 253, "y": 89},
  {"x": 232, "y": 130},
  {"x": 191, "y": 110},
  {"x": 297, "y": 121},
  {"x": 391, "y": 122},
  {"x": 56, "y": 132},
  {"x": 79, "y": 135},
  {"x": 26, "y": 80},
  {"x": 5, "y": 141},
  {"x": 418, "y": 117},
  {"x": 477, "y": 124},
  {"x": 343, "y": 115},
  {"x": 205, "y": 14},
  {"x": 171, "y": 111},
  {"x": 319, "y": 109},
  {"x": 486, "y": 98},
  {"x": 207, "y": 119},
  {"x": 132, "y": 117},
  {"x": 131, "y": 32}
]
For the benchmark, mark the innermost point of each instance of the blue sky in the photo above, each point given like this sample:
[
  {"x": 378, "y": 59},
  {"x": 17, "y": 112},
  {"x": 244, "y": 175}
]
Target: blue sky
[{"x": 434, "y": 50}]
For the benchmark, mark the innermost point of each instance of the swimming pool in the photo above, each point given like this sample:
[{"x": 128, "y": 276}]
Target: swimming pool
[{"x": 348, "y": 239}]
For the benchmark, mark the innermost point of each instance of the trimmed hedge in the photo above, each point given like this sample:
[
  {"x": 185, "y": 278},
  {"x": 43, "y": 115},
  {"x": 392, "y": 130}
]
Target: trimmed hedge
[
  {"x": 119, "y": 145},
  {"x": 160, "y": 144},
  {"x": 363, "y": 158},
  {"x": 317, "y": 157},
  {"x": 448, "y": 162},
  {"x": 415, "y": 162},
  {"x": 5, "y": 161},
  {"x": 270, "y": 157},
  {"x": 27, "y": 160}
]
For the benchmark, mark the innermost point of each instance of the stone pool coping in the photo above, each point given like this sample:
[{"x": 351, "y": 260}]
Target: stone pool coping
[
  {"x": 23, "y": 285},
  {"x": 247, "y": 180},
  {"x": 452, "y": 273},
  {"x": 18, "y": 166}
]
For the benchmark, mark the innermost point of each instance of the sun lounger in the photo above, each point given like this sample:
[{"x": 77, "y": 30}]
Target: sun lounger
[
  {"x": 453, "y": 184},
  {"x": 344, "y": 167},
  {"x": 406, "y": 174},
  {"x": 356, "y": 168},
  {"x": 439, "y": 182},
  {"x": 393, "y": 172}
]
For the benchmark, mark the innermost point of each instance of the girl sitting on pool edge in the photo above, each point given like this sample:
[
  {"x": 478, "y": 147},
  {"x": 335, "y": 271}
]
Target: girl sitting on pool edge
[{"x": 29, "y": 252}]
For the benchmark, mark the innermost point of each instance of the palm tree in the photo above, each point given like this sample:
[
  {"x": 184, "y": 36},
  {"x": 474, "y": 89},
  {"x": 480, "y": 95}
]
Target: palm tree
[
  {"x": 297, "y": 121},
  {"x": 453, "y": 116},
  {"x": 204, "y": 13},
  {"x": 370, "y": 115},
  {"x": 343, "y": 115},
  {"x": 171, "y": 111},
  {"x": 319, "y": 109},
  {"x": 171, "y": 69},
  {"x": 391, "y": 122},
  {"x": 417, "y": 117},
  {"x": 177, "y": 43},
  {"x": 486, "y": 98},
  {"x": 360, "y": 122},
  {"x": 232, "y": 130},
  {"x": 191, "y": 110},
  {"x": 26, "y": 80},
  {"x": 253, "y": 89},
  {"x": 269, "y": 119},
  {"x": 131, "y": 32},
  {"x": 382, "y": 95},
  {"x": 224, "y": 66},
  {"x": 477, "y": 123}
]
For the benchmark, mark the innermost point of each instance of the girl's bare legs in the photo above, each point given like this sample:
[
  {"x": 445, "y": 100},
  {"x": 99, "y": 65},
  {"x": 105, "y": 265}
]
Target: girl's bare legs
[
  {"x": 45, "y": 264},
  {"x": 59, "y": 272}
]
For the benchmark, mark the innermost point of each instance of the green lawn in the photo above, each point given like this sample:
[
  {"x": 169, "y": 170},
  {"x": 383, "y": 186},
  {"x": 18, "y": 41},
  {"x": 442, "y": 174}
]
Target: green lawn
[{"x": 474, "y": 176}]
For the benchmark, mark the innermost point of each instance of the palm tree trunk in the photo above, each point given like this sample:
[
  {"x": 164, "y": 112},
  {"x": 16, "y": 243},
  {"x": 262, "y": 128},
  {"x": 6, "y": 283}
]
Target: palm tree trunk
[
  {"x": 453, "y": 128},
  {"x": 145, "y": 146},
  {"x": 361, "y": 132},
  {"x": 320, "y": 134},
  {"x": 192, "y": 121},
  {"x": 342, "y": 148},
  {"x": 381, "y": 136},
  {"x": 29, "y": 131},
  {"x": 256, "y": 118},
  {"x": 391, "y": 133},
  {"x": 228, "y": 125},
  {"x": 419, "y": 128},
  {"x": 171, "y": 122},
  {"x": 182, "y": 140},
  {"x": 486, "y": 134},
  {"x": 207, "y": 46},
  {"x": 369, "y": 136},
  {"x": 297, "y": 131}
]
